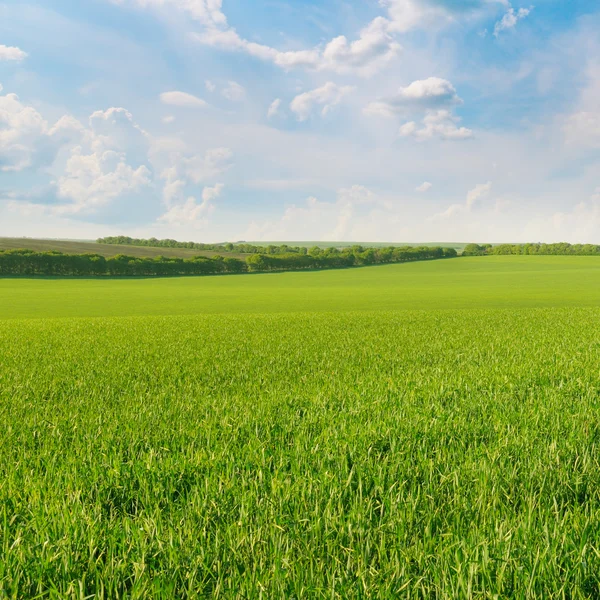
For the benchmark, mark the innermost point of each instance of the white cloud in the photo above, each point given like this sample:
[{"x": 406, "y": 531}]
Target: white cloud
[
  {"x": 168, "y": 119},
  {"x": 441, "y": 124},
  {"x": 430, "y": 93},
  {"x": 274, "y": 108},
  {"x": 424, "y": 187},
  {"x": 96, "y": 179},
  {"x": 374, "y": 47},
  {"x": 191, "y": 211},
  {"x": 211, "y": 193},
  {"x": 510, "y": 19},
  {"x": 11, "y": 53},
  {"x": 480, "y": 191},
  {"x": 233, "y": 91},
  {"x": 326, "y": 96},
  {"x": 210, "y": 86},
  {"x": 26, "y": 139},
  {"x": 182, "y": 99}
]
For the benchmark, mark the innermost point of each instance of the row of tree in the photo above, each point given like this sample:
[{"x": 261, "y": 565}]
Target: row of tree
[
  {"x": 560, "y": 249},
  {"x": 28, "y": 262},
  {"x": 239, "y": 248}
]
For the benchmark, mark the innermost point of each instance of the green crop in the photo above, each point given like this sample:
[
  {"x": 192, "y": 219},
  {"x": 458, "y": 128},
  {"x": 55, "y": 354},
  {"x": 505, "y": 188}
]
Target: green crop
[{"x": 440, "y": 453}]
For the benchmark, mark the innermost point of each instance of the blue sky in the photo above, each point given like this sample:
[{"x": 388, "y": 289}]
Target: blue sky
[{"x": 362, "y": 120}]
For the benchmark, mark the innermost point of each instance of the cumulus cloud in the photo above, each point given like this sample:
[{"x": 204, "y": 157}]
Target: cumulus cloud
[
  {"x": 192, "y": 212},
  {"x": 94, "y": 180},
  {"x": 233, "y": 91},
  {"x": 210, "y": 86},
  {"x": 441, "y": 124},
  {"x": 108, "y": 163},
  {"x": 274, "y": 108},
  {"x": 480, "y": 191},
  {"x": 433, "y": 100},
  {"x": 430, "y": 93},
  {"x": 510, "y": 19},
  {"x": 424, "y": 187},
  {"x": 26, "y": 139},
  {"x": 182, "y": 100},
  {"x": 11, "y": 53},
  {"x": 327, "y": 96}
]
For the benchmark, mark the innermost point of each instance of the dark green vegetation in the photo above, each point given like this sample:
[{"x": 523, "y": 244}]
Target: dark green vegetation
[
  {"x": 561, "y": 249},
  {"x": 28, "y": 262},
  {"x": 425, "y": 430}
]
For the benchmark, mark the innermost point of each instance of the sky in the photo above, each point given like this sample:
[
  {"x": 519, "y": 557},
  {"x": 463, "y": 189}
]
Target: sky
[{"x": 297, "y": 120}]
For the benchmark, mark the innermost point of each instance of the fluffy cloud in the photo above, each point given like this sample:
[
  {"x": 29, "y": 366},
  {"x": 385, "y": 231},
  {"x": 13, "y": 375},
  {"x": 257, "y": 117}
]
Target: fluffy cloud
[
  {"x": 233, "y": 91},
  {"x": 182, "y": 100},
  {"x": 94, "y": 180},
  {"x": 26, "y": 140},
  {"x": 435, "y": 97},
  {"x": 510, "y": 19},
  {"x": 424, "y": 187},
  {"x": 191, "y": 211},
  {"x": 374, "y": 47},
  {"x": 477, "y": 193},
  {"x": 102, "y": 166},
  {"x": 326, "y": 97},
  {"x": 441, "y": 124},
  {"x": 11, "y": 53},
  {"x": 430, "y": 93},
  {"x": 274, "y": 108}
]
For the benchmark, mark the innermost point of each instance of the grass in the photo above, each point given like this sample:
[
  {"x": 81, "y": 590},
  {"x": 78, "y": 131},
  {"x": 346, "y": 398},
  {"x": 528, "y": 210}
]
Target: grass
[
  {"x": 415, "y": 431},
  {"x": 83, "y": 247},
  {"x": 480, "y": 282}
]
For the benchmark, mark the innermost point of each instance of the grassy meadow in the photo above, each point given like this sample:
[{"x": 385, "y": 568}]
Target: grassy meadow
[{"x": 424, "y": 430}]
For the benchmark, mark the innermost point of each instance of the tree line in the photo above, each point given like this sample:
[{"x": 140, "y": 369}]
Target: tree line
[
  {"x": 558, "y": 249},
  {"x": 239, "y": 248},
  {"x": 29, "y": 262}
]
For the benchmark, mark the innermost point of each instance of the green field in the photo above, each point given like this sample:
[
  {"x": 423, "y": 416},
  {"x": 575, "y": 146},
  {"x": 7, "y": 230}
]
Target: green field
[
  {"x": 424, "y": 430},
  {"x": 488, "y": 282}
]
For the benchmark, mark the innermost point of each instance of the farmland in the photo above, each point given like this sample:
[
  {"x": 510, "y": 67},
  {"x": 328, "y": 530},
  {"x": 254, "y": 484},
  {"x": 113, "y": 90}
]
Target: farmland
[
  {"x": 423, "y": 430},
  {"x": 88, "y": 247}
]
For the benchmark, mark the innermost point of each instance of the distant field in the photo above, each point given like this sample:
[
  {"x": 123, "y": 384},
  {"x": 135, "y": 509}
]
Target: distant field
[
  {"x": 425, "y": 430},
  {"x": 479, "y": 282},
  {"x": 455, "y": 245},
  {"x": 72, "y": 247}
]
